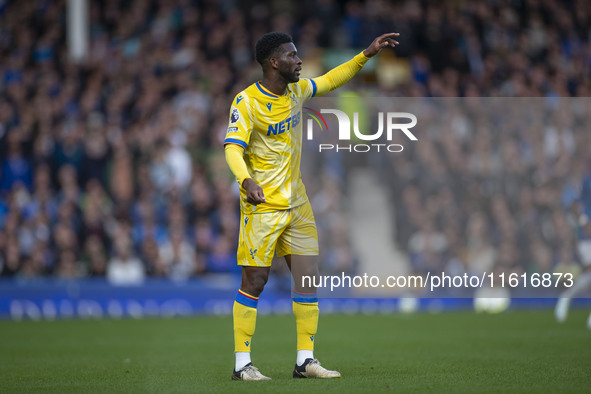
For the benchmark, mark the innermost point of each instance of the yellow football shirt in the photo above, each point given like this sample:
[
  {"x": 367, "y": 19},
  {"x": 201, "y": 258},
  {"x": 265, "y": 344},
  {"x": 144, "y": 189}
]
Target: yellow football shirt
[{"x": 269, "y": 128}]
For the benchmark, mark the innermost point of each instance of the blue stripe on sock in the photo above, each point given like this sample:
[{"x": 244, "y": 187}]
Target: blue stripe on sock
[
  {"x": 244, "y": 300},
  {"x": 306, "y": 300}
]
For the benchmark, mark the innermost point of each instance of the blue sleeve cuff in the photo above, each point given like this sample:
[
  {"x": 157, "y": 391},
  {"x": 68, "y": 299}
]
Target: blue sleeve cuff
[{"x": 235, "y": 141}]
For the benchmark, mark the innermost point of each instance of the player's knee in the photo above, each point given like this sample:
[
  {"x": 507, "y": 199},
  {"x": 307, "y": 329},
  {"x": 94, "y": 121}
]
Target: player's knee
[
  {"x": 255, "y": 284},
  {"x": 305, "y": 276},
  {"x": 309, "y": 270},
  {"x": 259, "y": 283}
]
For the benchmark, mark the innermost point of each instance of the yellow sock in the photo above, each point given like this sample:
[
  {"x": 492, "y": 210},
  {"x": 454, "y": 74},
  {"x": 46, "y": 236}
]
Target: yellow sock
[
  {"x": 306, "y": 315},
  {"x": 245, "y": 319}
]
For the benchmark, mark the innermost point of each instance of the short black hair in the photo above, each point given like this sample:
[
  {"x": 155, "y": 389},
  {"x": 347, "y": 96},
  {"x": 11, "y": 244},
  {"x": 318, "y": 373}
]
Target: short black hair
[{"x": 268, "y": 44}]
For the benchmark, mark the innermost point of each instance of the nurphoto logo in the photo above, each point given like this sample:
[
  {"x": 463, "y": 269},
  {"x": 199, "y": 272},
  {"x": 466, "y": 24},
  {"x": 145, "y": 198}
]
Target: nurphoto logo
[{"x": 395, "y": 124}]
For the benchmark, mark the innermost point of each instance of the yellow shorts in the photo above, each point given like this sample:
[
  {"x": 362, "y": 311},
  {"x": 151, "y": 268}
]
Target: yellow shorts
[{"x": 290, "y": 231}]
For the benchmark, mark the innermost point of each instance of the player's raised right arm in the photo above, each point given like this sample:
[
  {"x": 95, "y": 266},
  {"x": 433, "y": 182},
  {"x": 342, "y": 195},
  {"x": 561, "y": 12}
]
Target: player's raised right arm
[{"x": 342, "y": 74}]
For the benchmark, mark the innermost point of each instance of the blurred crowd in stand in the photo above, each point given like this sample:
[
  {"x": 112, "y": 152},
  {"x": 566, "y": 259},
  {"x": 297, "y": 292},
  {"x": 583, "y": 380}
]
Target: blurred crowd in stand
[
  {"x": 499, "y": 192},
  {"x": 114, "y": 167}
]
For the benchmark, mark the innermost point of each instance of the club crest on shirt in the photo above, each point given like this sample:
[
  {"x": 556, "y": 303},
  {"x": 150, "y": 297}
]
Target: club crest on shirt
[{"x": 235, "y": 116}]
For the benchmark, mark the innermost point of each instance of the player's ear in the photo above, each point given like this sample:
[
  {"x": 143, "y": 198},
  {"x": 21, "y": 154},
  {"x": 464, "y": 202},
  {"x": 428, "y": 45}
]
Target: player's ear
[{"x": 273, "y": 62}]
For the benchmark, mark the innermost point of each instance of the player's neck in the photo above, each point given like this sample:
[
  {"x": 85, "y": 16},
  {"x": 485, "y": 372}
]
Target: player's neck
[{"x": 275, "y": 85}]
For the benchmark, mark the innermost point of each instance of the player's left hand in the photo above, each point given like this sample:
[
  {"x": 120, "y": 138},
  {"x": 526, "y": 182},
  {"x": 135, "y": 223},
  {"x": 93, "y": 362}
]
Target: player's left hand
[{"x": 385, "y": 40}]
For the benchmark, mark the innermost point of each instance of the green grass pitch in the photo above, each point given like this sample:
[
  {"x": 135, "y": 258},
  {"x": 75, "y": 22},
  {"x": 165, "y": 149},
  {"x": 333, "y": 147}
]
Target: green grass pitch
[{"x": 514, "y": 352}]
